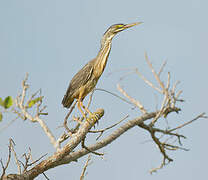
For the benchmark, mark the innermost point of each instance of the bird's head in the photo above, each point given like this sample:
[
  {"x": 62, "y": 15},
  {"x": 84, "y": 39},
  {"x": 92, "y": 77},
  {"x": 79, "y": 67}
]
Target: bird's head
[
  {"x": 114, "y": 29},
  {"x": 120, "y": 27}
]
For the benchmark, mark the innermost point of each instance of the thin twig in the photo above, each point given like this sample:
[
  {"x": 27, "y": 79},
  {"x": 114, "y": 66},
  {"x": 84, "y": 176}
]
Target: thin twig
[
  {"x": 154, "y": 73},
  {"x": 32, "y": 96},
  {"x": 24, "y": 88},
  {"x": 45, "y": 176},
  {"x": 162, "y": 67},
  {"x": 119, "y": 97},
  {"x": 62, "y": 138},
  {"x": 15, "y": 155},
  {"x": 168, "y": 82},
  {"x": 4, "y": 168},
  {"x": 147, "y": 81},
  {"x": 177, "y": 96},
  {"x": 157, "y": 168},
  {"x": 66, "y": 118},
  {"x": 127, "y": 74},
  {"x": 202, "y": 115},
  {"x": 174, "y": 86},
  {"x": 85, "y": 167},
  {"x": 174, "y": 147},
  {"x": 135, "y": 102},
  {"x": 101, "y": 131},
  {"x": 93, "y": 152},
  {"x": 156, "y": 140},
  {"x": 27, "y": 115},
  {"x": 30, "y": 164}
]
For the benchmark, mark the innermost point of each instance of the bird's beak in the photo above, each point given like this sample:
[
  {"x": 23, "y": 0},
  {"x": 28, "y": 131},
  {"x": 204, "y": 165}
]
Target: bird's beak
[{"x": 131, "y": 25}]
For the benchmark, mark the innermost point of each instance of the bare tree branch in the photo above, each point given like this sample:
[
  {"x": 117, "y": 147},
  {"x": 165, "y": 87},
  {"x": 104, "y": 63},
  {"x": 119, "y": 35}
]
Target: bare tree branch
[
  {"x": 15, "y": 155},
  {"x": 147, "y": 81},
  {"x": 202, "y": 115},
  {"x": 85, "y": 167},
  {"x": 168, "y": 139},
  {"x": 93, "y": 152},
  {"x": 4, "y": 168},
  {"x": 66, "y": 118},
  {"x": 119, "y": 97},
  {"x": 154, "y": 72},
  {"x": 135, "y": 102},
  {"x": 101, "y": 131},
  {"x": 162, "y": 68}
]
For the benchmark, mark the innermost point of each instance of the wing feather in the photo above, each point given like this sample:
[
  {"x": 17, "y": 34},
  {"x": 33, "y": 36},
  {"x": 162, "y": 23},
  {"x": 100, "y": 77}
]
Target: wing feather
[{"x": 79, "y": 80}]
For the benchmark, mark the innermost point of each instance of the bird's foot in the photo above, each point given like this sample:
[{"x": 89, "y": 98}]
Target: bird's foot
[
  {"x": 94, "y": 117},
  {"x": 77, "y": 119}
]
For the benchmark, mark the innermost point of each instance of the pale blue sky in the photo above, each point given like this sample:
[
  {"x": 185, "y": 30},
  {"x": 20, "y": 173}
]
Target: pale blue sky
[{"x": 53, "y": 39}]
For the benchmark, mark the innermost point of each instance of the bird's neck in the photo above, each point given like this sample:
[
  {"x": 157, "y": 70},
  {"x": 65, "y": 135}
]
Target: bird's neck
[{"x": 102, "y": 57}]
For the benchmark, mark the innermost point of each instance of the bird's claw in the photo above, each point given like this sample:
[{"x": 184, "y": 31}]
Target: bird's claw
[{"x": 95, "y": 116}]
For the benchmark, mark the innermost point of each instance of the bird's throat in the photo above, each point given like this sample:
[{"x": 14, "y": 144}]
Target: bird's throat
[{"x": 102, "y": 58}]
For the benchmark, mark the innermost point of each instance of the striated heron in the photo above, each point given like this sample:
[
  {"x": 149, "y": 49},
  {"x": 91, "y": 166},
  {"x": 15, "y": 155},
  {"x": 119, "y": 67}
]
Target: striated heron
[{"x": 86, "y": 79}]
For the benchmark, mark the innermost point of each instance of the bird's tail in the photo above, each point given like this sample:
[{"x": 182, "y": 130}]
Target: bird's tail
[{"x": 67, "y": 101}]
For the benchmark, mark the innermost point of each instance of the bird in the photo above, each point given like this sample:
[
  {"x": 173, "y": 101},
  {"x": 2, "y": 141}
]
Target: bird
[{"x": 86, "y": 79}]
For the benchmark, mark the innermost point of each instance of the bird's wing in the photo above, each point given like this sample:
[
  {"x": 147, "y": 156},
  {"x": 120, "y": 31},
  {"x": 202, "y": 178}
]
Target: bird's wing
[{"x": 80, "y": 79}]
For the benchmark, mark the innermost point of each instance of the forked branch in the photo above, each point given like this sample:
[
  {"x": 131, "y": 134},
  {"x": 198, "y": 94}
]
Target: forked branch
[{"x": 167, "y": 139}]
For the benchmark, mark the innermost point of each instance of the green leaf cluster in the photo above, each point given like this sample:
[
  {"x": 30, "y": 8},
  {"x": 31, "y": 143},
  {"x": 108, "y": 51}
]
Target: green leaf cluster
[
  {"x": 7, "y": 102},
  {"x": 34, "y": 101}
]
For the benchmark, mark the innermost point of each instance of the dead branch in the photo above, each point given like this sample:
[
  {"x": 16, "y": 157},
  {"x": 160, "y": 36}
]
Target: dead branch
[
  {"x": 85, "y": 167},
  {"x": 66, "y": 118},
  {"x": 137, "y": 103},
  {"x": 24, "y": 112},
  {"x": 170, "y": 98},
  {"x": 109, "y": 139},
  {"x": 147, "y": 81},
  {"x": 4, "y": 168},
  {"x": 154, "y": 72},
  {"x": 15, "y": 155},
  {"x": 202, "y": 115},
  {"x": 93, "y": 152},
  {"x": 45, "y": 176},
  {"x": 115, "y": 95},
  {"x": 101, "y": 131},
  {"x": 77, "y": 135},
  {"x": 162, "y": 68},
  {"x": 161, "y": 146}
]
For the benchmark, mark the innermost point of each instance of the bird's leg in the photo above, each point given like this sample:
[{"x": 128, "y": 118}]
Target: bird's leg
[
  {"x": 80, "y": 109},
  {"x": 80, "y": 104},
  {"x": 92, "y": 115},
  {"x": 85, "y": 108}
]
